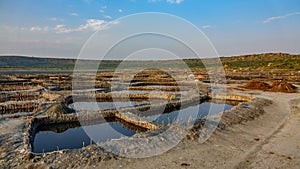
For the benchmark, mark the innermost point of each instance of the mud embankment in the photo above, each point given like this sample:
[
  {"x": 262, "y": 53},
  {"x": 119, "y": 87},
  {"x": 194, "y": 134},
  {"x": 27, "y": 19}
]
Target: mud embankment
[
  {"x": 13, "y": 107},
  {"x": 19, "y": 95},
  {"x": 233, "y": 97},
  {"x": 244, "y": 112}
]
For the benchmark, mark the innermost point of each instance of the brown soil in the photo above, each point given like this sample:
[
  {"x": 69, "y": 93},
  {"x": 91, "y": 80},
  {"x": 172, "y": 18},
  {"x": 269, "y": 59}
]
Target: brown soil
[
  {"x": 257, "y": 85},
  {"x": 282, "y": 86},
  {"x": 277, "y": 86}
]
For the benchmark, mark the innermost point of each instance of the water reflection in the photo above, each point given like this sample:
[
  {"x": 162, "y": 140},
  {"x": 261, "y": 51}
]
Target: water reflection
[
  {"x": 72, "y": 135},
  {"x": 195, "y": 112}
]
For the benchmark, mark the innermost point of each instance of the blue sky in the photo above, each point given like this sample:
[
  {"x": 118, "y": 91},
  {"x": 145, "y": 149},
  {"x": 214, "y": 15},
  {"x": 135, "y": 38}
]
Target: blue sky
[{"x": 59, "y": 28}]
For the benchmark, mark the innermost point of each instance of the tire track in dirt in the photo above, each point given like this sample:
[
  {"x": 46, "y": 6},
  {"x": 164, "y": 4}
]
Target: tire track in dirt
[{"x": 261, "y": 155}]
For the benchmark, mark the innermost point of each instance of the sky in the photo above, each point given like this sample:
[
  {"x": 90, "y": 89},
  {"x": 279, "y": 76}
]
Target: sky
[{"x": 60, "y": 28}]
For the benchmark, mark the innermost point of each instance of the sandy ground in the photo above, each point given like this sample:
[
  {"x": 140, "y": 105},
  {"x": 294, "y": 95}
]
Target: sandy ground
[{"x": 270, "y": 141}]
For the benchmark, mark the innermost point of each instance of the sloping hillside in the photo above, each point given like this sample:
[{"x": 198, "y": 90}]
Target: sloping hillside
[{"x": 268, "y": 61}]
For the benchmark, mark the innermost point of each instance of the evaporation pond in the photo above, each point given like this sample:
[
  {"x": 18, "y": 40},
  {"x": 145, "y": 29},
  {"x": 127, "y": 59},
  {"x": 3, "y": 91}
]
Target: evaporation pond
[
  {"x": 94, "y": 106},
  {"x": 193, "y": 112},
  {"x": 73, "y": 136}
]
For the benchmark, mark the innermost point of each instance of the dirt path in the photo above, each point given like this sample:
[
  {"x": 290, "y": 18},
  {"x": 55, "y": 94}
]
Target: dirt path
[{"x": 282, "y": 149}]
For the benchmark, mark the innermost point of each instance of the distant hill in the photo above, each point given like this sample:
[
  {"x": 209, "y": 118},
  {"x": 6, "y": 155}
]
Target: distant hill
[
  {"x": 268, "y": 61},
  {"x": 24, "y": 62}
]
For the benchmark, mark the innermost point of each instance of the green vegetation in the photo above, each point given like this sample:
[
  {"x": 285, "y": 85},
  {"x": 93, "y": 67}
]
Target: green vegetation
[
  {"x": 22, "y": 62},
  {"x": 268, "y": 61}
]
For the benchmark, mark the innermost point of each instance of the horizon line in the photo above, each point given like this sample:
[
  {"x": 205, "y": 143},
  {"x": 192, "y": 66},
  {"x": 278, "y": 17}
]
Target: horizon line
[{"x": 70, "y": 58}]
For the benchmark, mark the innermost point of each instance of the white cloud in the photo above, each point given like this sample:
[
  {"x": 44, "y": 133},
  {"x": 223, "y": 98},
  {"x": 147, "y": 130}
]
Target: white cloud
[
  {"x": 102, "y": 10},
  {"x": 74, "y": 14},
  {"x": 37, "y": 28},
  {"x": 206, "y": 26},
  {"x": 56, "y": 19},
  {"x": 168, "y": 1},
  {"x": 175, "y": 1},
  {"x": 271, "y": 19},
  {"x": 62, "y": 29},
  {"x": 90, "y": 25},
  {"x": 107, "y": 17}
]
